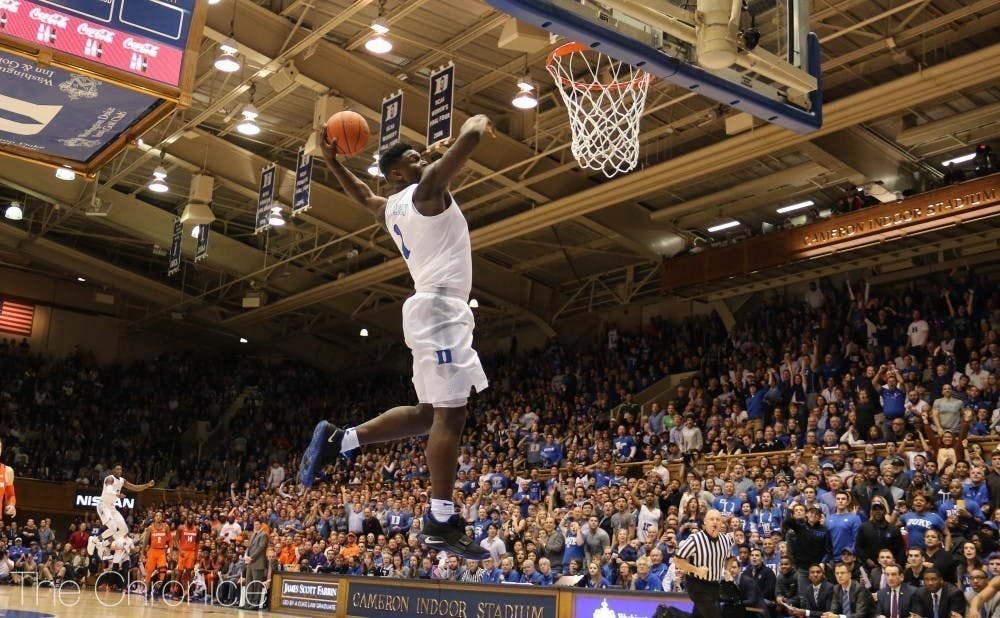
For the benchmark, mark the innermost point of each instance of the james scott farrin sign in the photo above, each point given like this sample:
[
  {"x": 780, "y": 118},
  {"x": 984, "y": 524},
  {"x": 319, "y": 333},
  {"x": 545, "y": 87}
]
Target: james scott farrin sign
[
  {"x": 52, "y": 111},
  {"x": 634, "y": 605},
  {"x": 378, "y": 600},
  {"x": 914, "y": 211},
  {"x": 309, "y": 594}
]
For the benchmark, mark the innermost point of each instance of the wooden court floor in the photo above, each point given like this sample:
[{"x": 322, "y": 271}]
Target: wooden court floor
[{"x": 30, "y": 602}]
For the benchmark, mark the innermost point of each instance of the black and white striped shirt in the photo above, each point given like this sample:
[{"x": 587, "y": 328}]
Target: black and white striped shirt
[{"x": 701, "y": 550}]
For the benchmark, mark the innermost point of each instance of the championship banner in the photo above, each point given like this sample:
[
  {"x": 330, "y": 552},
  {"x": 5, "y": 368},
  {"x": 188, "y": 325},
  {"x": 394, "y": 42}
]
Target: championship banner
[
  {"x": 202, "y": 251},
  {"x": 303, "y": 182},
  {"x": 265, "y": 197},
  {"x": 442, "y": 100},
  {"x": 174, "y": 263},
  {"x": 391, "y": 124}
]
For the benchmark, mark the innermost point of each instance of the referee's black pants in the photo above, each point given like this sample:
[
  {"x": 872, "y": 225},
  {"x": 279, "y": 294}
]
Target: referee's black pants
[{"x": 705, "y": 596}]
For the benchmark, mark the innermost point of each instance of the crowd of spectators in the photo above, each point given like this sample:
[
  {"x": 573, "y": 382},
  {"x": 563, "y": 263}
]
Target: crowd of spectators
[{"x": 852, "y": 414}]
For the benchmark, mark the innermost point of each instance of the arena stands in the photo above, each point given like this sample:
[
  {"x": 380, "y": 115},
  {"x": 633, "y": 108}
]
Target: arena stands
[{"x": 868, "y": 405}]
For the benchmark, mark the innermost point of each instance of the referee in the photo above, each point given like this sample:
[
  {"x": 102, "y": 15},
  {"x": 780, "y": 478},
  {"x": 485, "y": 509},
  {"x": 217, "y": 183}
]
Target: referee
[{"x": 703, "y": 555}]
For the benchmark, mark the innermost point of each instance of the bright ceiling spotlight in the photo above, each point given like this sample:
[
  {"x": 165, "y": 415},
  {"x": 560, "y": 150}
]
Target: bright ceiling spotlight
[
  {"x": 275, "y": 219},
  {"x": 248, "y": 126},
  {"x": 65, "y": 173},
  {"x": 227, "y": 62},
  {"x": 14, "y": 212},
  {"x": 364, "y": 332},
  {"x": 525, "y": 99},
  {"x": 159, "y": 184}
]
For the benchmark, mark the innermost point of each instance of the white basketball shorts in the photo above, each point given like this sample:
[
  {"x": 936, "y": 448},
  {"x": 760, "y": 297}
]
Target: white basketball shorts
[
  {"x": 112, "y": 519},
  {"x": 438, "y": 330}
]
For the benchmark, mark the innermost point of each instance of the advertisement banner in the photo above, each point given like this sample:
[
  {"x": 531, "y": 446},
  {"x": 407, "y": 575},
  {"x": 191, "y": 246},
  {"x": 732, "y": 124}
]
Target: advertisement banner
[
  {"x": 303, "y": 182},
  {"x": 174, "y": 264},
  {"x": 52, "y": 111},
  {"x": 375, "y": 599},
  {"x": 310, "y": 595},
  {"x": 442, "y": 99},
  {"x": 202, "y": 249},
  {"x": 265, "y": 198},
  {"x": 587, "y": 605},
  {"x": 392, "y": 116},
  {"x": 143, "y": 37}
]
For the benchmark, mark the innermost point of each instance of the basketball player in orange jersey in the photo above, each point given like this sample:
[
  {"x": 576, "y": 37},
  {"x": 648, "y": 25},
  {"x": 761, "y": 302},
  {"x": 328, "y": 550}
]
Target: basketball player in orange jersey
[
  {"x": 7, "y": 498},
  {"x": 188, "y": 542},
  {"x": 157, "y": 539},
  {"x": 431, "y": 233}
]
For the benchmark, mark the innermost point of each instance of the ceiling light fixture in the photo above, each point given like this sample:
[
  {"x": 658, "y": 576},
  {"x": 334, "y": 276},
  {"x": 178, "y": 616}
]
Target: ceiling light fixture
[
  {"x": 243, "y": 339},
  {"x": 378, "y": 44},
  {"x": 14, "y": 212},
  {"x": 228, "y": 62},
  {"x": 474, "y": 304},
  {"x": 957, "y": 160},
  {"x": 81, "y": 279},
  {"x": 799, "y": 206},
  {"x": 196, "y": 231},
  {"x": 159, "y": 184},
  {"x": 248, "y": 126},
  {"x": 723, "y": 226},
  {"x": 275, "y": 219},
  {"x": 364, "y": 332},
  {"x": 211, "y": 2},
  {"x": 524, "y": 98},
  {"x": 65, "y": 173},
  {"x": 373, "y": 169}
]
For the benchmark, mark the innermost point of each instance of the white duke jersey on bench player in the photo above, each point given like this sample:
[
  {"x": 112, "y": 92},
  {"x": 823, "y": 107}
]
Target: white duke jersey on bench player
[
  {"x": 437, "y": 249},
  {"x": 109, "y": 492},
  {"x": 437, "y": 321}
]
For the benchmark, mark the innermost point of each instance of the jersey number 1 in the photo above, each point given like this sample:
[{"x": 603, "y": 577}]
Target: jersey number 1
[{"x": 402, "y": 243}]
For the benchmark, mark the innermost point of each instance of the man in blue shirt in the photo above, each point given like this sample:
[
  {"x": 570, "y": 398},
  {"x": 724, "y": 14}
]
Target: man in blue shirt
[
  {"x": 892, "y": 397},
  {"x": 728, "y": 502},
  {"x": 643, "y": 579},
  {"x": 397, "y": 519},
  {"x": 843, "y": 525},
  {"x": 551, "y": 452},
  {"x": 491, "y": 574},
  {"x": 624, "y": 445}
]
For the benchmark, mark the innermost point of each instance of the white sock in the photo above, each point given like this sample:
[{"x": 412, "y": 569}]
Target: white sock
[
  {"x": 441, "y": 510},
  {"x": 350, "y": 441}
]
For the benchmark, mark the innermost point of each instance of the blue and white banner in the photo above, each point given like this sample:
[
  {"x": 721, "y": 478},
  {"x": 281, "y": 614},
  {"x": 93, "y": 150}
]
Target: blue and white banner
[
  {"x": 265, "y": 198},
  {"x": 392, "y": 121},
  {"x": 442, "y": 101},
  {"x": 202, "y": 249},
  {"x": 174, "y": 260},
  {"x": 303, "y": 182},
  {"x": 52, "y": 111}
]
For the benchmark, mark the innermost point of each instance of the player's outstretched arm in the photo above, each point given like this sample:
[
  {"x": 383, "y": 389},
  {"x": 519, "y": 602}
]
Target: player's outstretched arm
[
  {"x": 438, "y": 175},
  {"x": 353, "y": 186},
  {"x": 143, "y": 487}
]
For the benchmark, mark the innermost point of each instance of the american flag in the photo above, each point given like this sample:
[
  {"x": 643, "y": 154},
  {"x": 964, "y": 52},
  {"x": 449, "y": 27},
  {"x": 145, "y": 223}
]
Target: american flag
[{"x": 16, "y": 318}]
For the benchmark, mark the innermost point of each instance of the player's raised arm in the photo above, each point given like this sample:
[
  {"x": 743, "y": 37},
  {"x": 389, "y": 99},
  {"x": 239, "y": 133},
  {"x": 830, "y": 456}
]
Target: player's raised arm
[
  {"x": 143, "y": 487},
  {"x": 438, "y": 175},
  {"x": 356, "y": 188}
]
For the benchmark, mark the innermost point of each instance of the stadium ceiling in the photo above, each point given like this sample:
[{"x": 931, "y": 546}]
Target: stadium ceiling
[{"x": 906, "y": 86}]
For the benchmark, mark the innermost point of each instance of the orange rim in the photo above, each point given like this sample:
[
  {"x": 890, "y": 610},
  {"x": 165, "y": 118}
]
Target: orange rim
[{"x": 572, "y": 48}]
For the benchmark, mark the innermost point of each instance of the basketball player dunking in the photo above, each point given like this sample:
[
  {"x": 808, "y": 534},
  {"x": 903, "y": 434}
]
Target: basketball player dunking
[
  {"x": 432, "y": 234},
  {"x": 114, "y": 523}
]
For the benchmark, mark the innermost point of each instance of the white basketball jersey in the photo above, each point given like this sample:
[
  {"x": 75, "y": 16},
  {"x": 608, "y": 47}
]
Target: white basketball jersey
[
  {"x": 647, "y": 521},
  {"x": 437, "y": 249},
  {"x": 109, "y": 494}
]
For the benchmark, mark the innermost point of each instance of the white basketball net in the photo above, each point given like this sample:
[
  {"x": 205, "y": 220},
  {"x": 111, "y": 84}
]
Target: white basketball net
[{"x": 605, "y": 99}]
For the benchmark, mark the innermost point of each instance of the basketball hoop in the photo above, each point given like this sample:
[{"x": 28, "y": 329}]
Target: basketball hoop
[{"x": 605, "y": 99}]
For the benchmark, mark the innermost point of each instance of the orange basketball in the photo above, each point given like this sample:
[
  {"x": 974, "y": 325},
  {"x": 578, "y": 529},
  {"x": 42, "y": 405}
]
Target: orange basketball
[{"x": 351, "y": 131}]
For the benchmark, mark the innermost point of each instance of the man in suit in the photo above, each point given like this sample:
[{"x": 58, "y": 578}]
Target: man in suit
[
  {"x": 940, "y": 598},
  {"x": 898, "y": 600},
  {"x": 877, "y": 577},
  {"x": 815, "y": 599},
  {"x": 850, "y": 598},
  {"x": 257, "y": 565}
]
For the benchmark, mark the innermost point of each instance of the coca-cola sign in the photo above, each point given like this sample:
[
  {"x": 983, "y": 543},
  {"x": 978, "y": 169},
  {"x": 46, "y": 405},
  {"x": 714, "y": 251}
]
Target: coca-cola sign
[
  {"x": 51, "y": 19},
  {"x": 101, "y": 34},
  {"x": 10, "y": 5},
  {"x": 140, "y": 47}
]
